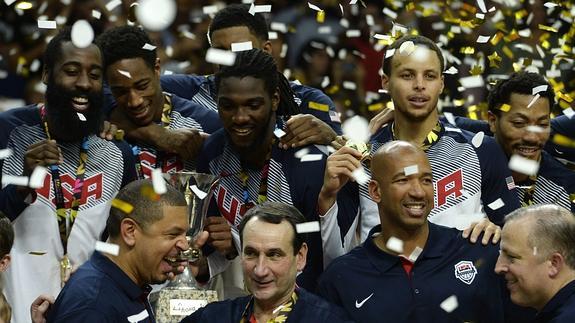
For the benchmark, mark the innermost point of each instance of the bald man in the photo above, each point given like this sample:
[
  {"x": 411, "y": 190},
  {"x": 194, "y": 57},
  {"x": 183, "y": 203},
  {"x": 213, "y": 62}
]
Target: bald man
[
  {"x": 408, "y": 268},
  {"x": 538, "y": 261}
]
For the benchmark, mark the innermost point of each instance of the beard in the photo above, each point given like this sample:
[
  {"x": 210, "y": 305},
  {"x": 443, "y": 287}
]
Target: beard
[
  {"x": 65, "y": 123},
  {"x": 260, "y": 138}
]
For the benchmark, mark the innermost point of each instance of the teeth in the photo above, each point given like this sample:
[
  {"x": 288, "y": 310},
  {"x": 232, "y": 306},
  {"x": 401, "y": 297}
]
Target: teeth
[
  {"x": 80, "y": 100},
  {"x": 418, "y": 206}
]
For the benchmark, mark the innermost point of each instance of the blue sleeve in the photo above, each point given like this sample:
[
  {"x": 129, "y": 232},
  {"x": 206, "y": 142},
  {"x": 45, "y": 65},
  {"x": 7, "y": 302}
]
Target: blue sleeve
[
  {"x": 317, "y": 103},
  {"x": 474, "y": 126},
  {"x": 494, "y": 172},
  {"x": 182, "y": 85},
  {"x": 565, "y": 126},
  {"x": 348, "y": 205},
  {"x": 129, "y": 170},
  {"x": 11, "y": 204}
]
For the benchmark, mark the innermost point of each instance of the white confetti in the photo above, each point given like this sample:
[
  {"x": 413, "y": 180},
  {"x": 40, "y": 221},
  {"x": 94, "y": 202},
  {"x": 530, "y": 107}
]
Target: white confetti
[
  {"x": 156, "y": 15},
  {"x": 324, "y": 30},
  {"x": 47, "y": 24},
  {"x": 352, "y": 33},
  {"x": 220, "y": 57},
  {"x": 389, "y": 52},
  {"x": 313, "y": 7},
  {"x": 138, "y": 317},
  {"x": 96, "y": 14},
  {"x": 394, "y": 244},
  {"x": 82, "y": 34},
  {"x": 14, "y": 180},
  {"x": 407, "y": 48},
  {"x": 125, "y": 73},
  {"x": 360, "y": 176},
  {"x": 523, "y": 165},
  {"x": 158, "y": 181},
  {"x": 260, "y": 8},
  {"x": 550, "y": 4},
  {"x": 569, "y": 112},
  {"x": 210, "y": 10},
  {"x": 307, "y": 227},
  {"x": 356, "y": 128},
  {"x": 113, "y": 4},
  {"x": 5, "y": 153},
  {"x": 410, "y": 170},
  {"x": 9, "y": 2},
  {"x": 473, "y": 81},
  {"x": 535, "y": 98},
  {"x": 325, "y": 81},
  {"x": 238, "y": 47},
  {"x": 450, "y": 118},
  {"x": 35, "y": 65},
  {"x": 483, "y": 39},
  {"x": 390, "y": 13},
  {"x": 497, "y": 204},
  {"x": 198, "y": 192},
  {"x": 535, "y": 251},
  {"x": 311, "y": 157},
  {"x": 37, "y": 177},
  {"x": 415, "y": 254},
  {"x": 348, "y": 85},
  {"x": 148, "y": 47},
  {"x": 109, "y": 248},
  {"x": 81, "y": 116},
  {"x": 535, "y": 129},
  {"x": 449, "y": 304},
  {"x": 278, "y": 26},
  {"x": 279, "y": 133},
  {"x": 302, "y": 152},
  {"x": 480, "y": 15},
  {"x": 477, "y": 140},
  {"x": 540, "y": 88},
  {"x": 452, "y": 70},
  {"x": 272, "y": 35}
]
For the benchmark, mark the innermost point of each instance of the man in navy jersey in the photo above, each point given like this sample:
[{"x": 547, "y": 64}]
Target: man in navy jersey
[
  {"x": 133, "y": 75},
  {"x": 58, "y": 219},
  {"x": 247, "y": 156},
  {"x": 471, "y": 182},
  {"x": 537, "y": 260},
  {"x": 409, "y": 269}
]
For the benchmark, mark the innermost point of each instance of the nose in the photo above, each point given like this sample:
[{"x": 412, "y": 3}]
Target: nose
[
  {"x": 531, "y": 137},
  {"x": 241, "y": 115},
  {"x": 83, "y": 81},
  {"x": 419, "y": 82},
  {"x": 134, "y": 99},
  {"x": 261, "y": 269},
  {"x": 183, "y": 244},
  {"x": 416, "y": 189},
  {"x": 500, "y": 266}
]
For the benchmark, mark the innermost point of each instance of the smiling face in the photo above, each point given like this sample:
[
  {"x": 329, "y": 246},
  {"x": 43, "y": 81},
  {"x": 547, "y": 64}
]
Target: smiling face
[
  {"x": 415, "y": 83},
  {"x": 247, "y": 111},
  {"x": 268, "y": 261},
  {"x": 522, "y": 131},
  {"x": 136, "y": 88},
  {"x": 524, "y": 270}
]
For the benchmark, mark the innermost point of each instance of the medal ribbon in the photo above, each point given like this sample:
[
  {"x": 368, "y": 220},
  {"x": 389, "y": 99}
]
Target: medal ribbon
[
  {"x": 430, "y": 138},
  {"x": 283, "y": 311}
]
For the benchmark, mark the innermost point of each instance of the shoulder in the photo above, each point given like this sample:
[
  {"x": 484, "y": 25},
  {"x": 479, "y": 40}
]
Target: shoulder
[
  {"x": 318, "y": 309},
  {"x": 207, "y": 118},
  {"x": 553, "y": 170},
  {"x": 349, "y": 262},
  {"x": 187, "y": 79},
  {"x": 212, "y": 147},
  {"x": 28, "y": 115},
  {"x": 229, "y": 310}
]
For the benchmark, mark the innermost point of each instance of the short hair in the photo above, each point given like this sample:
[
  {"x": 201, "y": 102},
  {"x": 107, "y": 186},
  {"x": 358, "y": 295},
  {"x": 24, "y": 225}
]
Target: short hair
[
  {"x": 236, "y": 15},
  {"x": 53, "y": 50},
  {"x": 519, "y": 83},
  {"x": 126, "y": 42},
  {"x": 276, "y": 212},
  {"x": 146, "y": 210},
  {"x": 552, "y": 230},
  {"x": 417, "y": 40},
  {"x": 6, "y": 235}
]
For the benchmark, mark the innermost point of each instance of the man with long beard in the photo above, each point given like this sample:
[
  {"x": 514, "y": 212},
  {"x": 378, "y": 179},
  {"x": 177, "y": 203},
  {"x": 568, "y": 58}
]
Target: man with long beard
[{"x": 58, "y": 219}]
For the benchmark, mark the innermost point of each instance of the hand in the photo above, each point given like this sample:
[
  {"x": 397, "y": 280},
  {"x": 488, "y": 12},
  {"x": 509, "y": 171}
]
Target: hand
[
  {"x": 384, "y": 117},
  {"x": 185, "y": 142},
  {"x": 199, "y": 268},
  {"x": 305, "y": 129},
  {"x": 39, "y": 308},
  {"x": 339, "y": 142},
  {"x": 338, "y": 171},
  {"x": 221, "y": 236},
  {"x": 110, "y": 131},
  {"x": 489, "y": 229},
  {"x": 42, "y": 153}
]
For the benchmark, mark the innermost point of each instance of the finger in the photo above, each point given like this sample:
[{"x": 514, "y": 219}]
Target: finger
[
  {"x": 496, "y": 235},
  {"x": 112, "y": 133},
  {"x": 201, "y": 239},
  {"x": 213, "y": 228},
  {"x": 215, "y": 220},
  {"x": 466, "y": 232},
  {"x": 219, "y": 236},
  {"x": 477, "y": 230},
  {"x": 487, "y": 235}
]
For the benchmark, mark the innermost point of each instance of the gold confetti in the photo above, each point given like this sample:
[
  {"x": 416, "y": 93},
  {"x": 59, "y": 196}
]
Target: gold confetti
[
  {"x": 122, "y": 206},
  {"x": 320, "y": 16},
  {"x": 476, "y": 70},
  {"x": 467, "y": 50},
  {"x": 494, "y": 60},
  {"x": 547, "y": 28},
  {"x": 149, "y": 193},
  {"x": 495, "y": 40},
  {"x": 505, "y": 107},
  {"x": 564, "y": 141},
  {"x": 318, "y": 106},
  {"x": 375, "y": 107},
  {"x": 508, "y": 52}
]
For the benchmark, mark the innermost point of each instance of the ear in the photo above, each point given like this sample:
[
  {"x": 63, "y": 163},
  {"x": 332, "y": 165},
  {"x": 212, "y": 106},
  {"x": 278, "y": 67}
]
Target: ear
[
  {"x": 5, "y": 262},
  {"x": 492, "y": 119},
  {"x": 556, "y": 263},
  {"x": 385, "y": 81},
  {"x": 157, "y": 67},
  {"x": 442, "y": 83},
  {"x": 374, "y": 191},
  {"x": 45, "y": 75},
  {"x": 301, "y": 257},
  {"x": 267, "y": 47},
  {"x": 275, "y": 100},
  {"x": 128, "y": 231}
]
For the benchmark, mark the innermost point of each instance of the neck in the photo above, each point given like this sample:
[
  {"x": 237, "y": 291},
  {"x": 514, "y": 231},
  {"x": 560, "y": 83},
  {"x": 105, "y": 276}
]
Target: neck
[
  {"x": 257, "y": 157},
  {"x": 159, "y": 108},
  {"x": 412, "y": 131},
  {"x": 263, "y": 311},
  {"x": 565, "y": 277},
  {"x": 122, "y": 261},
  {"x": 411, "y": 238}
]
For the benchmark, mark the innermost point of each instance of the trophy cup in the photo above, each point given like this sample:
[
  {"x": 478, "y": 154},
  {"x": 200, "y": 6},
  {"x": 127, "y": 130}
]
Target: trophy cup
[{"x": 181, "y": 297}]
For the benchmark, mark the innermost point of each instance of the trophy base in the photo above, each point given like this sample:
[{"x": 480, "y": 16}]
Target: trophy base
[{"x": 175, "y": 304}]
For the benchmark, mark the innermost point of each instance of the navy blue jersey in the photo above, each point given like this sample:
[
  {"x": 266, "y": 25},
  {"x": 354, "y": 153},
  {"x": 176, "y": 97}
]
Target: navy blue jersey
[
  {"x": 99, "y": 291},
  {"x": 184, "y": 114},
  {"x": 561, "y": 308},
  {"x": 308, "y": 309},
  {"x": 201, "y": 90},
  {"x": 109, "y": 166},
  {"x": 289, "y": 181},
  {"x": 372, "y": 286}
]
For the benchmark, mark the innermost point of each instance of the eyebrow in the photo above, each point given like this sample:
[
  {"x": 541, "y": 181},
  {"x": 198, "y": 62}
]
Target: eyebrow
[{"x": 78, "y": 64}]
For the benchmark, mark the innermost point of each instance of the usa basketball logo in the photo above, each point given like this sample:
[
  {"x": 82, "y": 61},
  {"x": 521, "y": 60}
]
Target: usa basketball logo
[{"x": 465, "y": 271}]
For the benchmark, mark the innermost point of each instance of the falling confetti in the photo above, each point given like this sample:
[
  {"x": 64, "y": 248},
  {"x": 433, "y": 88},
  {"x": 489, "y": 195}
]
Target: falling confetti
[
  {"x": 109, "y": 248},
  {"x": 122, "y": 206},
  {"x": 82, "y": 34},
  {"x": 394, "y": 244},
  {"x": 307, "y": 227}
]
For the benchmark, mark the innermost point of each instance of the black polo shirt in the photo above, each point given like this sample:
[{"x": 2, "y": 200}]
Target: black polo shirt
[{"x": 561, "y": 308}]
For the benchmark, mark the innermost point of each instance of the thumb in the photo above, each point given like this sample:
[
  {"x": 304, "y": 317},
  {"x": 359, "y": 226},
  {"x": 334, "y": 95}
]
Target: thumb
[{"x": 201, "y": 239}]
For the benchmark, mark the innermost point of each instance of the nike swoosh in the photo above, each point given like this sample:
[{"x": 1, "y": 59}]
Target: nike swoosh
[{"x": 360, "y": 304}]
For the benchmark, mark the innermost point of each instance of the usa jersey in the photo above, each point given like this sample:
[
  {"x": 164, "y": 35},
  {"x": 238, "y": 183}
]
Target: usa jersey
[
  {"x": 37, "y": 249},
  {"x": 201, "y": 90},
  {"x": 373, "y": 286},
  {"x": 289, "y": 181},
  {"x": 184, "y": 114}
]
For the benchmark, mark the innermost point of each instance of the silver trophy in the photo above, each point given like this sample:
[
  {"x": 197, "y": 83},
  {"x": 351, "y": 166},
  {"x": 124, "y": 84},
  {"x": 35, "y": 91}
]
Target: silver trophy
[{"x": 182, "y": 296}]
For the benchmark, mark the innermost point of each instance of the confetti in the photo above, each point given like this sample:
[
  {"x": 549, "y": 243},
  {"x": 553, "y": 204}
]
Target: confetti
[
  {"x": 497, "y": 204},
  {"x": 320, "y": 16},
  {"x": 540, "y": 88},
  {"x": 483, "y": 39},
  {"x": 415, "y": 254},
  {"x": 356, "y": 128},
  {"x": 138, "y": 317},
  {"x": 260, "y": 8},
  {"x": 494, "y": 60},
  {"x": 278, "y": 26},
  {"x": 349, "y": 85},
  {"x": 325, "y": 81},
  {"x": 14, "y": 180},
  {"x": 535, "y": 98},
  {"x": 220, "y": 57},
  {"x": 272, "y": 35},
  {"x": 407, "y": 48},
  {"x": 82, "y": 34},
  {"x": 307, "y": 227},
  {"x": 324, "y": 30},
  {"x": 390, "y": 13},
  {"x": 37, "y": 177},
  {"x": 238, "y": 47},
  {"x": 96, "y": 14},
  {"x": 449, "y": 304},
  {"x": 156, "y": 15},
  {"x": 410, "y": 170},
  {"x": 9, "y": 2},
  {"x": 550, "y": 4},
  {"x": 148, "y": 47},
  {"x": 523, "y": 165},
  {"x": 302, "y": 152},
  {"x": 352, "y": 33},
  {"x": 452, "y": 70},
  {"x": 311, "y": 157},
  {"x": 477, "y": 140},
  {"x": 360, "y": 176},
  {"x": 450, "y": 118},
  {"x": 113, "y": 4},
  {"x": 198, "y": 192},
  {"x": 474, "y": 81},
  {"x": 158, "y": 181},
  {"x": 313, "y": 7},
  {"x": 5, "y": 153},
  {"x": 279, "y": 132},
  {"x": 122, "y": 206},
  {"x": 125, "y": 73},
  {"x": 535, "y": 129},
  {"x": 210, "y": 10},
  {"x": 505, "y": 107},
  {"x": 47, "y": 24},
  {"x": 109, "y": 248},
  {"x": 569, "y": 113},
  {"x": 394, "y": 244}
]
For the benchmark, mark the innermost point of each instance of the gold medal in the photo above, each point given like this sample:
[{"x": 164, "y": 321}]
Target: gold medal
[{"x": 65, "y": 269}]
